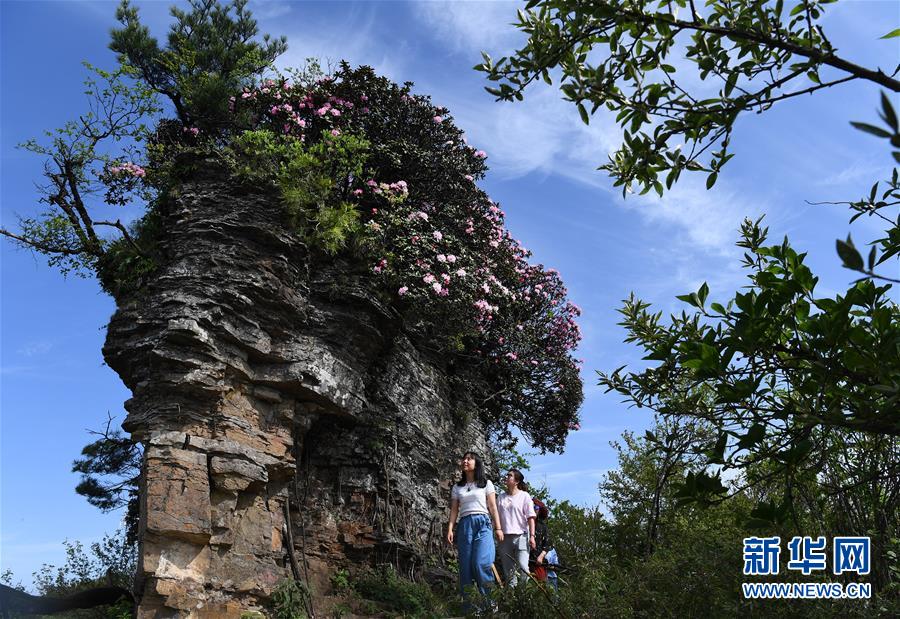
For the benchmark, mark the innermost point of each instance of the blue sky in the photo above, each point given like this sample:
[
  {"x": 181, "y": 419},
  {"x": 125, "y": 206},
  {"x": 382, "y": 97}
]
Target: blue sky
[{"x": 54, "y": 385}]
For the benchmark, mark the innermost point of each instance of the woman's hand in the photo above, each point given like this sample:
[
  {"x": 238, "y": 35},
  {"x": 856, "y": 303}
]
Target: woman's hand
[
  {"x": 495, "y": 516},
  {"x": 450, "y": 535}
]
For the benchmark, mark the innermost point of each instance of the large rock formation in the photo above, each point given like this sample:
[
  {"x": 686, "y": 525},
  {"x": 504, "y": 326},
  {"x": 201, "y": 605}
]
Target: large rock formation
[{"x": 261, "y": 378}]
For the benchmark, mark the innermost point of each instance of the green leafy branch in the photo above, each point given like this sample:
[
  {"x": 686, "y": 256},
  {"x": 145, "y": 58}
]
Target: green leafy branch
[{"x": 616, "y": 54}]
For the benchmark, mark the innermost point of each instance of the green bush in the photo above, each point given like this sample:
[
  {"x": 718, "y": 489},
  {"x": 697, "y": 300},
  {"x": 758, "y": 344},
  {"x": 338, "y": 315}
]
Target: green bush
[
  {"x": 397, "y": 595},
  {"x": 289, "y": 600}
]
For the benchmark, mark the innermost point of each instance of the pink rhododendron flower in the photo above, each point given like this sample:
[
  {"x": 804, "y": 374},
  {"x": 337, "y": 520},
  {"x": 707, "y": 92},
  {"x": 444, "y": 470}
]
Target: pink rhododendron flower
[
  {"x": 335, "y": 112},
  {"x": 403, "y": 290},
  {"x": 436, "y": 286},
  {"x": 445, "y": 278},
  {"x": 451, "y": 258},
  {"x": 441, "y": 258},
  {"x": 480, "y": 154},
  {"x": 335, "y": 132},
  {"x": 438, "y": 119},
  {"x": 460, "y": 272},
  {"x": 437, "y": 235},
  {"x": 129, "y": 169},
  {"x": 469, "y": 177},
  {"x": 428, "y": 279}
]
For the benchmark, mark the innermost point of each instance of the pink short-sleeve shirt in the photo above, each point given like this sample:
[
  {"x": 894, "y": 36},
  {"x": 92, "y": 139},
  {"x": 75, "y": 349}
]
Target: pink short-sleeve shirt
[{"x": 515, "y": 510}]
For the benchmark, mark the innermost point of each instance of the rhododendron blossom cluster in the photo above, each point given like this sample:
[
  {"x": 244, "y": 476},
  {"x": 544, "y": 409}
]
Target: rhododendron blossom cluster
[
  {"x": 128, "y": 169},
  {"x": 438, "y": 244}
]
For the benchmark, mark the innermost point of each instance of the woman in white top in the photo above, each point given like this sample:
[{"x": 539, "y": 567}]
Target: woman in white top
[
  {"x": 473, "y": 501},
  {"x": 517, "y": 519}
]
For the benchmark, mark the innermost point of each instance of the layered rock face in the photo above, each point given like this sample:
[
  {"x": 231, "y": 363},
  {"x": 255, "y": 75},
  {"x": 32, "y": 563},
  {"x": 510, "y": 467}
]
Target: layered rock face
[{"x": 262, "y": 380}]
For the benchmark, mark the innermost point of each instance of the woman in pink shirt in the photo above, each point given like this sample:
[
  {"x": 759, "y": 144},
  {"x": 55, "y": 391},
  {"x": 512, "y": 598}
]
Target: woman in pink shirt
[{"x": 517, "y": 521}]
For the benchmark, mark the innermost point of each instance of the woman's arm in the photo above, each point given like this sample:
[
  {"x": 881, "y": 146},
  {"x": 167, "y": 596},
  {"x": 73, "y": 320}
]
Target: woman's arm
[
  {"x": 454, "y": 511},
  {"x": 495, "y": 516},
  {"x": 530, "y": 518}
]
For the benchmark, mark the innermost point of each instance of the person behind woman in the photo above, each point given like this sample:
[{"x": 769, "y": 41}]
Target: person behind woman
[
  {"x": 542, "y": 543},
  {"x": 552, "y": 561},
  {"x": 517, "y": 520},
  {"x": 473, "y": 500}
]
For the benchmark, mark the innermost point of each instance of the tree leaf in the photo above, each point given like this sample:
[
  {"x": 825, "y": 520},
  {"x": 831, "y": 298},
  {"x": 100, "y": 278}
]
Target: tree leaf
[
  {"x": 584, "y": 115},
  {"x": 703, "y": 293},
  {"x": 849, "y": 254},
  {"x": 890, "y": 117},
  {"x": 877, "y": 131}
]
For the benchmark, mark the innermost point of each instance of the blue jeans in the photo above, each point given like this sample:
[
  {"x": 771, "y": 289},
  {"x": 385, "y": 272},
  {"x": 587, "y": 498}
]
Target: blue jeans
[{"x": 475, "y": 542}]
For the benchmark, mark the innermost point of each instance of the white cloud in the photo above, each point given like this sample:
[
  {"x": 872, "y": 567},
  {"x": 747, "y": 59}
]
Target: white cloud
[
  {"x": 589, "y": 474},
  {"x": 269, "y": 9},
  {"x": 543, "y": 133},
  {"x": 469, "y": 27},
  {"x": 35, "y": 347},
  {"x": 352, "y": 36},
  {"x": 857, "y": 173},
  {"x": 710, "y": 219}
]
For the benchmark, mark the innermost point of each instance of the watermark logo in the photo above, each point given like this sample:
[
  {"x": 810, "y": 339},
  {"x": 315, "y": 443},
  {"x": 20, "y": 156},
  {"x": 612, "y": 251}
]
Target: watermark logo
[
  {"x": 851, "y": 554},
  {"x": 807, "y": 554},
  {"x": 761, "y": 555}
]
